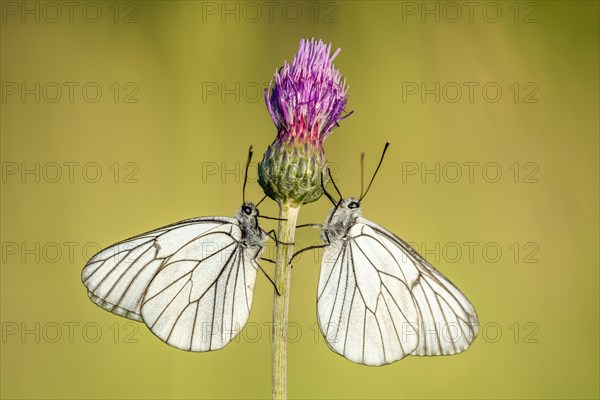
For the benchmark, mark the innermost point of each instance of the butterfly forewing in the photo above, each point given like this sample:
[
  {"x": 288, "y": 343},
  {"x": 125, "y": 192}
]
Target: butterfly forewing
[{"x": 447, "y": 321}]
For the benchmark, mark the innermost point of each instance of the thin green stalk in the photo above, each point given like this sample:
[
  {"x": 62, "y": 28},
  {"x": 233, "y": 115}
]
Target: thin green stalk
[{"x": 287, "y": 227}]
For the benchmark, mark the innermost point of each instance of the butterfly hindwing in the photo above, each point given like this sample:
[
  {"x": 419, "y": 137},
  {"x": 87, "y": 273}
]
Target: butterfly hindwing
[{"x": 201, "y": 298}]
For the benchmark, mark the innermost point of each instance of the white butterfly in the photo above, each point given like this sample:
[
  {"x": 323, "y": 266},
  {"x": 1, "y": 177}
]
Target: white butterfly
[
  {"x": 191, "y": 282},
  {"x": 379, "y": 301}
]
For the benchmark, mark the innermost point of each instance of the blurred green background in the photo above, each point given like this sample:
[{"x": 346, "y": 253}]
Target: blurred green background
[{"x": 119, "y": 117}]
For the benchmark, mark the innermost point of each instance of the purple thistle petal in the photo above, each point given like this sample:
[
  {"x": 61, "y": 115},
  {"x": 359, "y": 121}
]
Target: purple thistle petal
[{"x": 307, "y": 98}]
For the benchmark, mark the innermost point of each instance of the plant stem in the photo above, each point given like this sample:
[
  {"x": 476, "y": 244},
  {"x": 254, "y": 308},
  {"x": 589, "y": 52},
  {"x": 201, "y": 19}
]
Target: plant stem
[{"x": 287, "y": 227}]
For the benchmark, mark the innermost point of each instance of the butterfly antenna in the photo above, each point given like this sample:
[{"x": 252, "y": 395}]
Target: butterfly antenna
[
  {"x": 334, "y": 185},
  {"x": 362, "y": 174},
  {"x": 246, "y": 174},
  {"x": 336, "y": 204},
  {"x": 375, "y": 173},
  {"x": 325, "y": 190},
  {"x": 261, "y": 200}
]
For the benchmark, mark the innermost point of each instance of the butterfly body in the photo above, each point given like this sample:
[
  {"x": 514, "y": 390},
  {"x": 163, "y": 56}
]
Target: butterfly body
[{"x": 252, "y": 234}]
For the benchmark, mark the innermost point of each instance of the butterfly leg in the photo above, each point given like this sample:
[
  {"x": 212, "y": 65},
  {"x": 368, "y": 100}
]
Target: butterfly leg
[
  {"x": 315, "y": 247},
  {"x": 273, "y": 236},
  {"x": 273, "y": 218},
  {"x": 265, "y": 273},
  {"x": 313, "y": 225}
]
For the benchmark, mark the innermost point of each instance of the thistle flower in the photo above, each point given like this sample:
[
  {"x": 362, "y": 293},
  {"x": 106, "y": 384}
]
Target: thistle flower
[{"x": 306, "y": 100}]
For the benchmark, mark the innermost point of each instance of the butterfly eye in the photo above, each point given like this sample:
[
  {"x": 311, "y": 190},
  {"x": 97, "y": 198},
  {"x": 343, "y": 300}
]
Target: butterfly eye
[
  {"x": 247, "y": 210},
  {"x": 353, "y": 204}
]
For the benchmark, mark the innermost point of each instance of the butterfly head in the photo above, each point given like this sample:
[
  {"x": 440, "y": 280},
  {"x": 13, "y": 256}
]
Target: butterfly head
[
  {"x": 248, "y": 214},
  {"x": 247, "y": 217},
  {"x": 249, "y": 210},
  {"x": 351, "y": 204},
  {"x": 342, "y": 217}
]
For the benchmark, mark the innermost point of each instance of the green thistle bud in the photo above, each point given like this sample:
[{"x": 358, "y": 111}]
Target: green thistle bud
[
  {"x": 291, "y": 173},
  {"x": 306, "y": 102}
]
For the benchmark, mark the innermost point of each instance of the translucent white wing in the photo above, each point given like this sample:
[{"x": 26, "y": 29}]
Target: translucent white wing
[
  {"x": 447, "y": 320},
  {"x": 118, "y": 276},
  {"x": 201, "y": 303},
  {"x": 379, "y": 300},
  {"x": 365, "y": 310}
]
